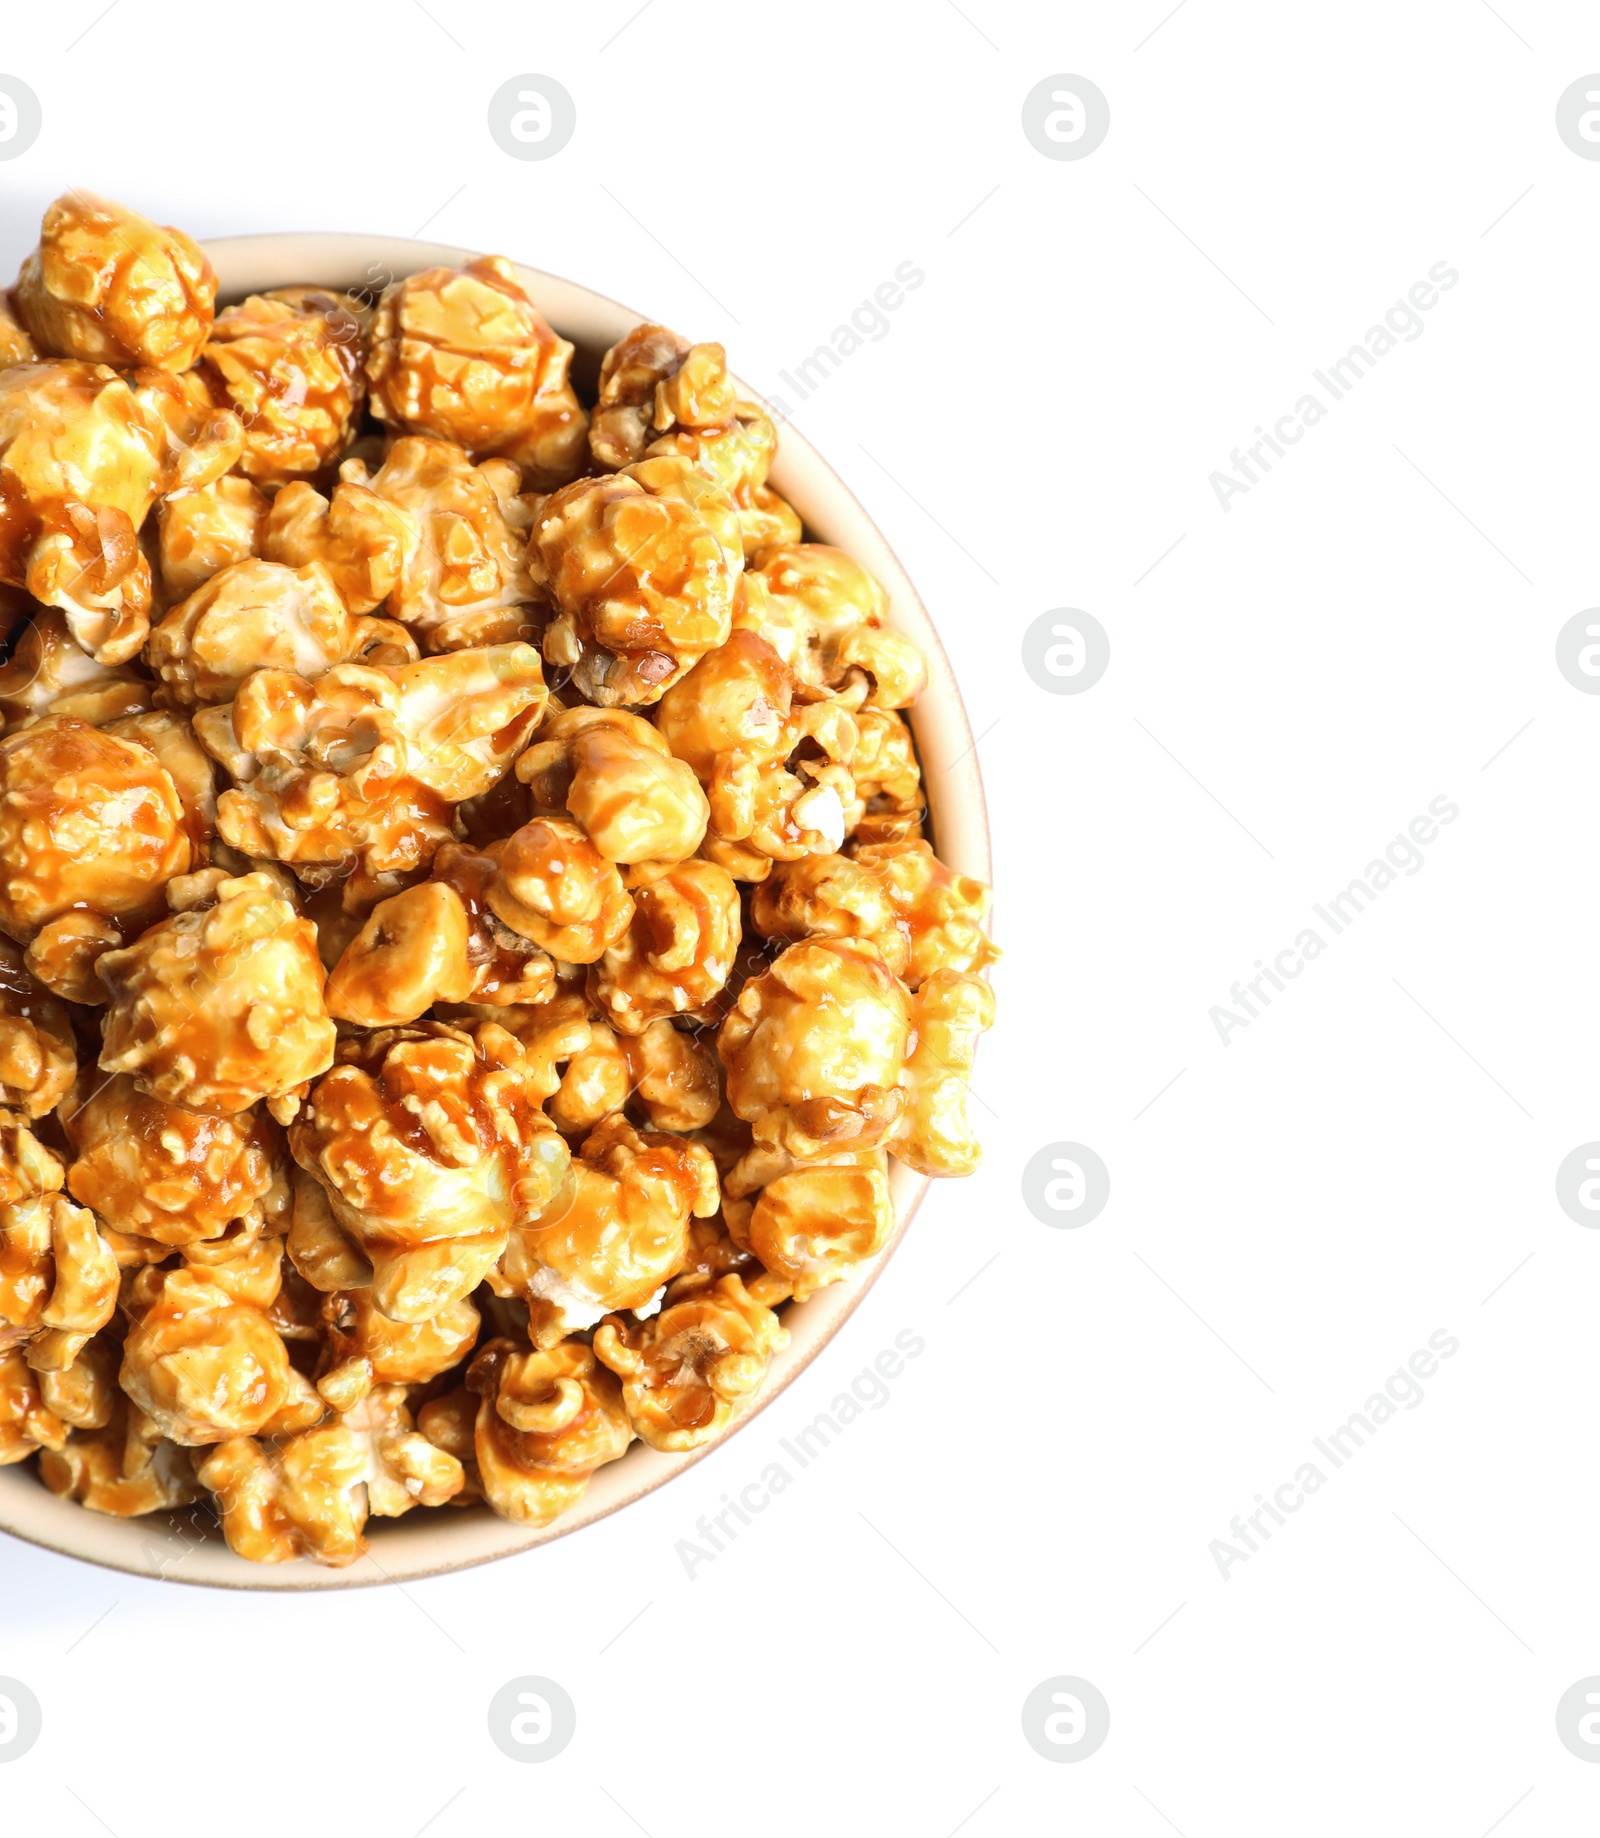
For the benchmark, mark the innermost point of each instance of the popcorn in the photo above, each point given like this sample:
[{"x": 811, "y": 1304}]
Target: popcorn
[
  {"x": 823, "y": 613},
  {"x": 453, "y": 541},
  {"x": 109, "y": 286},
  {"x": 256, "y": 615},
  {"x": 554, "y": 888},
  {"x": 86, "y": 821},
  {"x": 58, "y": 1276},
  {"x": 613, "y": 1234},
  {"x": 814, "y": 1050},
  {"x": 464, "y": 355},
  {"x": 661, "y": 395},
  {"x": 921, "y": 915},
  {"x": 206, "y": 1367},
  {"x": 932, "y": 1135},
  {"x": 50, "y": 673},
  {"x": 812, "y": 1224},
  {"x": 312, "y": 1496},
  {"x": 365, "y": 1348},
  {"x": 289, "y": 366},
  {"x": 642, "y": 565},
  {"x": 124, "y": 1466},
  {"x": 546, "y": 1421},
  {"x": 38, "y": 1056},
  {"x": 688, "y": 1370},
  {"x": 613, "y": 774},
  {"x": 26, "y": 1423},
  {"x": 84, "y": 455},
  {"x": 220, "y": 1006},
  {"x": 360, "y": 768},
  {"x": 161, "y": 1171},
  {"x": 677, "y": 952},
  {"x": 432, "y": 1146},
  {"x": 206, "y": 529},
  {"x": 362, "y": 540}
]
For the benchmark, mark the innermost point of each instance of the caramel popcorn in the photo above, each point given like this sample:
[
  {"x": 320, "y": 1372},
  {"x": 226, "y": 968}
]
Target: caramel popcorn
[
  {"x": 361, "y": 767},
  {"x": 365, "y": 1348},
  {"x": 661, "y": 395},
  {"x": 554, "y": 888},
  {"x": 161, "y": 1171},
  {"x": 290, "y": 369},
  {"x": 686, "y": 1371},
  {"x": 613, "y": 774},
  {"x": 205, "y": 1366},
  {"x": 220, "y": 1006},
  {"x": 38, "y": 1056},
  {"x": 814, "y": 1050},
  {"x": 678, "y": 951},
  {"x": 461, "y": 577},
  {"x": 811, "y": 1224},
  {"x": 434, "y": 1043},
  {"x": 823, "y": 614},
  {"x": 311, "y": 1496},
  {"x": 204, "y": 530},
  {"x": 642, "y": 565},
  {"x": 58, "y": 1279},
  {"x": 86, "y": 821},
  {"x": 776, "y": 769},
  {"x": 50, "y": 673},
  {"x": 615, "y": 1232},
  {"x": 464, "y": 355},
  {"x": 257, "y": 615},
  {"x": 84, "y": 455},
  {"x": 361, "y": 539},
  {"x": 26, "y": 1423},
  {"x": 547, "y": 1420},
  {"x": 111, "y": 287},
  {"x": 432, "y": 1146},
  {"x": 921, "y": 915}
]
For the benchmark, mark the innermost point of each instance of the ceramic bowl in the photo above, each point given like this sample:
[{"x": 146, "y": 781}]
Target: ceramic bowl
[{"x": 432, "y": 1543}]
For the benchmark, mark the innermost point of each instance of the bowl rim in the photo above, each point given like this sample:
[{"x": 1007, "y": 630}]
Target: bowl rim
[{"x": 29, "y": 1512}]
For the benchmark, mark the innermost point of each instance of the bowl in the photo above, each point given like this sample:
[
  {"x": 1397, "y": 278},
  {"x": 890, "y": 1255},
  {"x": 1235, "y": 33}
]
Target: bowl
[{"x": 178, "y": 1547}]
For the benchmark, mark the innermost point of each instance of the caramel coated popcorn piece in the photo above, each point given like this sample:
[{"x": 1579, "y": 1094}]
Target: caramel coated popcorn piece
[
  {"x": 361, "y": 539},
  {"x": 824, "y": 615},
  {"x": 221, "y": 1006},
  {"x": 432, "y": 1146},
  {"x": 461, "y": 577},
  {"x": 311, "y": 1495},
  {"x": 776, "y": 769},
  {"x": 26, "y": 1423},
  {"x": 124, "y": 1467},
  {"x": 205, "y": 1366},
  {"x": 686, "y": 1371},
  {"x": 206, "y": 529},
  {"x": 84, "y": 455},
  {"x": 613, "y": 774},
  {"x": 50, "y": 673},
  {"x": 642, "y": 565},
  {"x": 58, "y": 1279},
  {"x": 38, "y": 1056},
  {"x": 111, "y": 287},
  {"x": 16, "y": 347},
  {"x": 464, "y": 355},
  {"x": 887, "y": 780},
  {"x": 678, "y": 951},
  {"x": 259, "y": 615},
  {"x": 673, "y": 1075},
  {"x": 86, "y": 821},
  {"x": 615, "y": 1232},
  {"x": 547, "y": 1420},
  {"x": 162, "y": 1171},
  {"x": 365, "y": 1348},
  {"x": 289, "y": 366},
  {"x": 661, "y": 395},
  {"x": 171, "y": 738},
  {"x": 362, "y": 767},
  {"x": 554, "y": 888},
  {"x": 411, "y": 953},
  {"x": 948, "y": 1014},
  {"x": 815, "y": 1049},
  {"x": 812, "y": 1224},
  {"x": 920, "y": 914}
]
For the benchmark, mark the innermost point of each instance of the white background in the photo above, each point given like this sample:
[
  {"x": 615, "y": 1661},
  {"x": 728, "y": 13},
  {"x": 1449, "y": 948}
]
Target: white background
[{"x": 1368, "y": 1162}]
